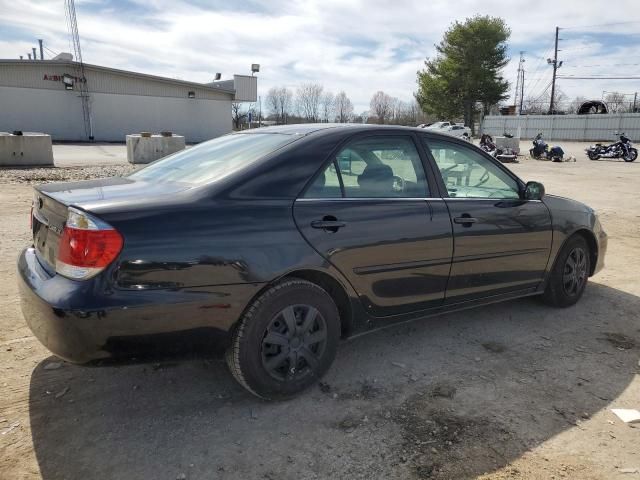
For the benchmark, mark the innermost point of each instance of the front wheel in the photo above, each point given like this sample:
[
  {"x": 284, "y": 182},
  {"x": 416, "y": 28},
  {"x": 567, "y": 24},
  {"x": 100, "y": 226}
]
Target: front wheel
[
  {"x": 593, "y": 155},
  {"x": 285, "y": 341},
  {"x": 633, "y": 154},
  {"x": 570, "y": 274}
]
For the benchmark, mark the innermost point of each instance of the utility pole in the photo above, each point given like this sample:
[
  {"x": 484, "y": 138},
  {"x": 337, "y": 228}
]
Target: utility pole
[
  {"x": 635, "y": 99},
  {"x": 521, "y": 94},
  {"x": 519, "y": 85},
  {"x": 556, "y": 66}
]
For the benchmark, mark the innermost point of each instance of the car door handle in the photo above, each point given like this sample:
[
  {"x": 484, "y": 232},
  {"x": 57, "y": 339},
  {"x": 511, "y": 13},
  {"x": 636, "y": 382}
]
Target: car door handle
[
  {"x": 465, "y": 220},
  {"x": 329, "y": 223}
]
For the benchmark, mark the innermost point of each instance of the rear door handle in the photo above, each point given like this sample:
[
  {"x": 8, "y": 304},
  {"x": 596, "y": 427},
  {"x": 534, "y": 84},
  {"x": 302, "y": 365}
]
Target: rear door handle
[
  {"x": 326, "y": 224},
  {"x": 465, "y": 220},
  {"x": 329, "y": 223}
]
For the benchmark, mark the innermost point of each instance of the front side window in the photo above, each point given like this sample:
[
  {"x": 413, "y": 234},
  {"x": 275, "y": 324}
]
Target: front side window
[
  {"x": 374, "y": 167},
  {"x": 468, "y": 174}
]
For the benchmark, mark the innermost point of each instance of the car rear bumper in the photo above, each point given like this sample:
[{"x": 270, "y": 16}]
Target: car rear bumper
[{"x": 84, "y": 321}]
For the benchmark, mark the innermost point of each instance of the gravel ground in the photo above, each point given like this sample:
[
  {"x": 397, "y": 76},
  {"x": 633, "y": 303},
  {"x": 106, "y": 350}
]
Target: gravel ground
[
  {"x": 513, "y": 390},
  {"x": 34, "y": 176}
]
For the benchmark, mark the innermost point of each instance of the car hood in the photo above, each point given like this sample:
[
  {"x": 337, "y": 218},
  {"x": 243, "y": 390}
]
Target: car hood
[{"x": 107, "y": 193}]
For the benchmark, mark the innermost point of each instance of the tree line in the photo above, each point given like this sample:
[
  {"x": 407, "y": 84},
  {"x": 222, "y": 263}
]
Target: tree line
[{"x": 312, "y": 103}]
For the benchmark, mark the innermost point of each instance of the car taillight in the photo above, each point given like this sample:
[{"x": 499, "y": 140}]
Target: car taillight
[{"x": 87, "y": 246}]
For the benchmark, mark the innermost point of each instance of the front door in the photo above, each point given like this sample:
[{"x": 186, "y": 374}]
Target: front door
[
  {"x": 369, "y": 213},
  {"x": 501, "y": 242}
]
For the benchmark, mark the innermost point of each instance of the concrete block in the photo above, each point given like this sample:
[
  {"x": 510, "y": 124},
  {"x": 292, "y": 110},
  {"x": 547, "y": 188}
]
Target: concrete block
[
  {"x": 512, "y": 143},
  {"x": 148, "y": 149},
  {"x": 25, "y": 150}
]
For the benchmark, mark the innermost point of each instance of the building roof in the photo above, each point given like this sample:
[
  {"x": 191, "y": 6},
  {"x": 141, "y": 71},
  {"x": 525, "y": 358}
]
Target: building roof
[{"x": 224, "y": 88}]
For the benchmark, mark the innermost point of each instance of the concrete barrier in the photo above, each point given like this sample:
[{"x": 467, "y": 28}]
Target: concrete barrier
[
  {"x": 25, "y": 150},
  {"x": 146, "y": 149}
]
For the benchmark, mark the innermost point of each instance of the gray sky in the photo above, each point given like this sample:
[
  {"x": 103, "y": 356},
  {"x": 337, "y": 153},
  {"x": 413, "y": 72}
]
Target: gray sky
[{"x": 356, "y": 46}]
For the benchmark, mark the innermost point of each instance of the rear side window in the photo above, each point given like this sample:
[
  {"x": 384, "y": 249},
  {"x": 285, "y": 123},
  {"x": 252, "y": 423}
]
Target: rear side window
[
  {"x": 215, "y": 159},
  {"x": 373, "y": 167}
]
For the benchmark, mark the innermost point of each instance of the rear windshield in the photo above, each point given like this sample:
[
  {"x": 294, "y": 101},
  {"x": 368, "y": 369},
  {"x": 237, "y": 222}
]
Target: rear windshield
[{"x": 215, "y": 159}]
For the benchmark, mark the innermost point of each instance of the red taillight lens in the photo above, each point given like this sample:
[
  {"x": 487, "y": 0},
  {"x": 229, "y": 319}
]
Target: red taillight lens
[
  {"x": 86, "y": 246},
  {"x": 89, "y": 248}
]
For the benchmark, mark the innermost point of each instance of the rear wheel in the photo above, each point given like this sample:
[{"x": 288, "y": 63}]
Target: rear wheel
[
  {"x": 570, "y": 274},
  {"x": 285, "y": 341},
  {"x": 633, "y": 154}
]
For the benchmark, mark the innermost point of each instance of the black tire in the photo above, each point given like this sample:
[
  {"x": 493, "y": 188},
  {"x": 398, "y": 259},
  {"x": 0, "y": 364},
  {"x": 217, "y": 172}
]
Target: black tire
[
  {"x": 633, "y": 154},
  {"x": 570, "y": 274},
  {"x": 307, "y": 340},
  {"x": 593, "y": 155}
]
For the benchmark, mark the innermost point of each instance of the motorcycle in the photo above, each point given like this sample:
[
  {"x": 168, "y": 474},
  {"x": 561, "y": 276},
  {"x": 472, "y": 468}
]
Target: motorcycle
[
  {"x": 623, "y": 148},
  {"x": 504, "y": 155},
  {"x": 541, "y": 150}
]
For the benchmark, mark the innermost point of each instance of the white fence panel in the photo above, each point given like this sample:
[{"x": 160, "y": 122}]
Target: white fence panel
[{"x": 565, "y": 127}]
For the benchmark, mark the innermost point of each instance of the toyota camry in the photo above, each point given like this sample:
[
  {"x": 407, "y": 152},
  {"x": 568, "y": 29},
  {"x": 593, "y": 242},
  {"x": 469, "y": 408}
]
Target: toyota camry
[{"x": 287, "y": 239}]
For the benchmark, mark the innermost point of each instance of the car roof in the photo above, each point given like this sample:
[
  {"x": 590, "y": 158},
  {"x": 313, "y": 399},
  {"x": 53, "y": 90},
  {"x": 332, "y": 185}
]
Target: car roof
[{"x": 310, "y": 128}]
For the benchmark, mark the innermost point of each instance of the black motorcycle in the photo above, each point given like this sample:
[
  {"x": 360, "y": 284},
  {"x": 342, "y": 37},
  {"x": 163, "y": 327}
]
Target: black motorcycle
[
  {"x": 541, "y": 150},
  {"x": 623, "y": 148}
]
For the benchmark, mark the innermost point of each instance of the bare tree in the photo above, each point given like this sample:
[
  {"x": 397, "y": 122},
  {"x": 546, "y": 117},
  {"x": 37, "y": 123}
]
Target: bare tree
[
  {"x": 237, "y": 114},
  {"x": 343, "y": 108},
  {"x": 308, "y": 97},
  {"x": 615, "y": 102},
  {"x": 381, "y": 106},
  {"x": 279, "y": 101},
  {"x": 540, "y": 105},
  {"x": 327, "y": 105}
]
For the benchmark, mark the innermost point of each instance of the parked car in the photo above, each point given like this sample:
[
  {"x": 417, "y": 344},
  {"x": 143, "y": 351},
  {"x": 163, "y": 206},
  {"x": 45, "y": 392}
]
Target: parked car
[
  {"x": 287, "y": 239},
  {"x": 458, "y": 131},
  {"x": 439, "y": 126}
]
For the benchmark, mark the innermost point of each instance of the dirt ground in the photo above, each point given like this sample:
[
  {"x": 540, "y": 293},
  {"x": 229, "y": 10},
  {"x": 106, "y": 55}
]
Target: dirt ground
[{"x": 513, "y": 390}]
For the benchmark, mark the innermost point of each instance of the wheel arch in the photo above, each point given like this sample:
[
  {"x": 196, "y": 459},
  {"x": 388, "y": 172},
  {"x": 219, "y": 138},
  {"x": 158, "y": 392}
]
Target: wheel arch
[
  {"x": 590, "y": 238},
  {"x": 336, "y": 291},
  {"x": 324, "y": 280}
]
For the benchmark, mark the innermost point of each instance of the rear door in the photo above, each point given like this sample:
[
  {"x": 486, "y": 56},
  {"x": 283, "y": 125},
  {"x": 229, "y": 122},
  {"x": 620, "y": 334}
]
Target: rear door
[
  {"x": 370, "y": 213},
  {"x": 501, "y": 242}
]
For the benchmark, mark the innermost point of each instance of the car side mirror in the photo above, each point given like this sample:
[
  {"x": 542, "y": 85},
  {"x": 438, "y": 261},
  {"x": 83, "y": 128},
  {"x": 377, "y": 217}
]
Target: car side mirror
[{"x": 533, "y": 191}]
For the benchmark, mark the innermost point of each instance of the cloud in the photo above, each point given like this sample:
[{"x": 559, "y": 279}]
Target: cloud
[{"x": 358, "y": 46}]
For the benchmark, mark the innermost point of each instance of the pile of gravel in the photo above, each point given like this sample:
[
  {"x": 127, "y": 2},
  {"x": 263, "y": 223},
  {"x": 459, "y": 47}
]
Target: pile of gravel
[{"x": 62, "y": 174}]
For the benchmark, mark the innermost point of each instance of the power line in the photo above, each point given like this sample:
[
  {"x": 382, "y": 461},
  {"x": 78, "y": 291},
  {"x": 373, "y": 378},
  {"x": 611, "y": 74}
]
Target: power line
[
  {"x": 50, "y": 51},
  {"x": 571, "y": 77},
  {"x": 541, "y": 62},
  {"x": 577, "y": 27},
  {"x": 604, "y": 65}
]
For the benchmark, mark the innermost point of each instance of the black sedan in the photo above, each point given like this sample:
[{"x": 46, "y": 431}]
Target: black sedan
[{"x": 286, "y": 239}]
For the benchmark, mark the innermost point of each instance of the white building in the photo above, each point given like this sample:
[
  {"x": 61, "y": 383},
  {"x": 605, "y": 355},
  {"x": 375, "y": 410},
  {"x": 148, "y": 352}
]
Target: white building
[{"x": 47, "y": 96}]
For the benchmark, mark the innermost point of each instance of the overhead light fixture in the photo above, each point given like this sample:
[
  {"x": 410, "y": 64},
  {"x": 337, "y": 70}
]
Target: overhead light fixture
[
  {"x": 255, "y": 67},
  {"x": 218, "y": 76},
  {"x": 68, "y": 82}
]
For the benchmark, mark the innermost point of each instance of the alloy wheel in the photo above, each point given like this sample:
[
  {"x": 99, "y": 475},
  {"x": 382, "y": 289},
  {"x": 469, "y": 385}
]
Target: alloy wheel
[
  {"x": 294, "y": 342},
  {"x": 575, "y": 271}
]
